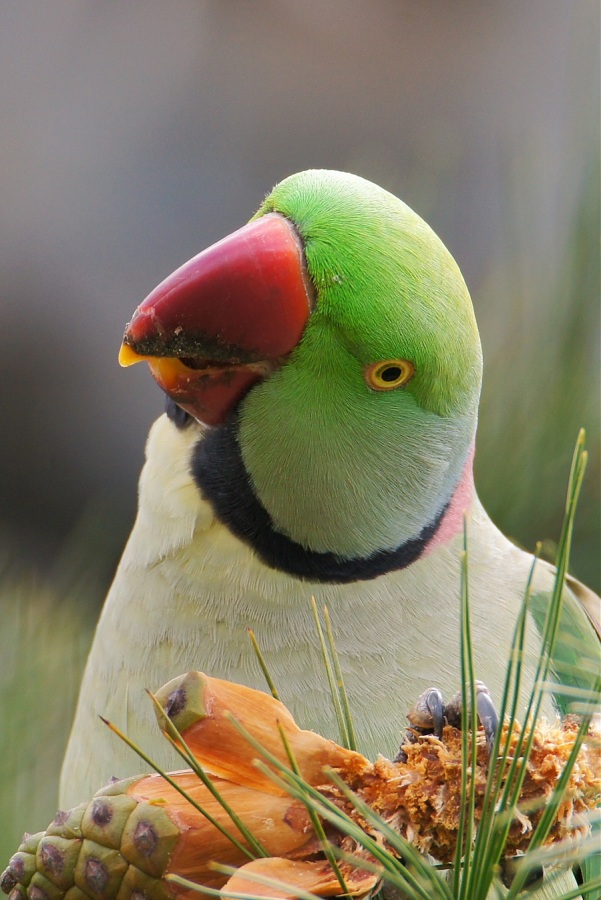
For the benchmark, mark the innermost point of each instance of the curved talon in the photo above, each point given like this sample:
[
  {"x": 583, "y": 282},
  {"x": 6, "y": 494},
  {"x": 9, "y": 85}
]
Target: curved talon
[
  {"x": 487, "y": 714},
  {"x": 430, "y": 713},
  {"x": 427, "y": 716}
]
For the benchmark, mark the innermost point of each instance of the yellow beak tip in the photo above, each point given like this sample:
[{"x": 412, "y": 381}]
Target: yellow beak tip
[{"x": 129, "y": 357}]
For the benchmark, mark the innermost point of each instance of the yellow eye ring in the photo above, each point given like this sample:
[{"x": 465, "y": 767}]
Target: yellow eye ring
[{"x": 388, "y": 374}]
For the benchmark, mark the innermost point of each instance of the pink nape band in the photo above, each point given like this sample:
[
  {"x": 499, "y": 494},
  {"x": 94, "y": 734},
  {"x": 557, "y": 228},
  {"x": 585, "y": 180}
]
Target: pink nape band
[{"x": 452, "y": 522}]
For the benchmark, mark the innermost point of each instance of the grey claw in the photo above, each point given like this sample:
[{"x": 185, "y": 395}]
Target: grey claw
[
  {"x": 428, "y": 714},
  {"x": 426, "y": 717},
  {"x": 487, "y": 714}
]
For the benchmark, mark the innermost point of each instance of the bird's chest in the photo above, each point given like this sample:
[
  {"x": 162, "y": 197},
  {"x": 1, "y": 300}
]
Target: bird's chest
[{"x": 396, "y": 634}]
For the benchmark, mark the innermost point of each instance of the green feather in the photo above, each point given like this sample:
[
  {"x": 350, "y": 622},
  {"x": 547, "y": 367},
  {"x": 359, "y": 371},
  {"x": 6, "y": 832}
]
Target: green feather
[{"x": 577, "y": 652}]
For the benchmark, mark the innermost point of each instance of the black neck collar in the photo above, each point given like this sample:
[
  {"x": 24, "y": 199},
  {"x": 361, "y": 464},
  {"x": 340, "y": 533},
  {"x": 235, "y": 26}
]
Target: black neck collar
[{"x": 218, "y": 470}]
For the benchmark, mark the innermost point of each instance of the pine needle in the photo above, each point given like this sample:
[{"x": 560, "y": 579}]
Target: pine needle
[
  {"x": 342, "y": 729},
  {"x": 407, "y": 852},
  {"x": 237, "y": 895},
  {"x": 267, "y": 881},
  {"x": 284, "y": 777},
  {"x": 264, "y": 668},
  {"x": 469, "y": 713},
  {"x": 341, "y": 689},
  {"x": 486, "y": 854},
  {"x": 315, "y": 820},
  {"x": 498, "y": 828},
  {"x": 147, "y": 759},
  {"x": 173, "y": 735}
]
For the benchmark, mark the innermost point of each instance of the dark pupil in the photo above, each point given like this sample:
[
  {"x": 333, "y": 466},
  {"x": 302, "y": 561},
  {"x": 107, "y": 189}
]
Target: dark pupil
[{"x": 391, "y": 373}]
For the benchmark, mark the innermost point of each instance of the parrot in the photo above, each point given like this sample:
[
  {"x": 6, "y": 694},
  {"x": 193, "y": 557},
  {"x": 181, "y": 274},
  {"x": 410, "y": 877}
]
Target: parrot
[{"x": 322, "y": 367}]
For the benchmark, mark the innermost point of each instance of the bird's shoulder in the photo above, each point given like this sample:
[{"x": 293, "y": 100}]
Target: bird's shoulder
[
  {"x": 589, "y": 601},
  {"x": 581, "y": 598}
]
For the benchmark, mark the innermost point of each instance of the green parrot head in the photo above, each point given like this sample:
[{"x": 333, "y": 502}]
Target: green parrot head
[
  {"x": 386, "y": 288},
  {"x": 334, "y": 334}
]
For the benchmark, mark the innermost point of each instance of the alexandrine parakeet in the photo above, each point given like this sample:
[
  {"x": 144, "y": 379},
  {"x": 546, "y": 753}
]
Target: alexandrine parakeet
[{"x": 323, "y": 367}]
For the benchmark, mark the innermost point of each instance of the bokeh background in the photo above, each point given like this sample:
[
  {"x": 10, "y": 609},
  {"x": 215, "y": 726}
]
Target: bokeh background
[{"x": 134, "y": 134}]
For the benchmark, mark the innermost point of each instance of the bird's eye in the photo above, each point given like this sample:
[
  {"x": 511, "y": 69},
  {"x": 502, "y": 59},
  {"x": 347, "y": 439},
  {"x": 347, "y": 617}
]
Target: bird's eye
[{"x": 388, "y": 374}]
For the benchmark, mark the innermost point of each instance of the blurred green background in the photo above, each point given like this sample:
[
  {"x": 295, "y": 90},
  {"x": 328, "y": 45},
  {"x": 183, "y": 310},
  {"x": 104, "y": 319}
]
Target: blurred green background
[{"x": 135, "y": 134}]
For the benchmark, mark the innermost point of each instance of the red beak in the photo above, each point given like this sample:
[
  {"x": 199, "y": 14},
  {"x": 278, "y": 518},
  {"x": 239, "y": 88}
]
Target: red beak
[{"x": 224, "y": 319}]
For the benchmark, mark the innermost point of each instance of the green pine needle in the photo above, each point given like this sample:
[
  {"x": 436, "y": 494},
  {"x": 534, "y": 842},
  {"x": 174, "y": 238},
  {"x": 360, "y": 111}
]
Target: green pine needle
[
  {"x": 264, "y": 667},
  {"x": 236, "y": 895},
  {"x": 173, "y": 735},
  {"x": 147, "y": 759},
  {"x": 341, "y": 689},
  {"x": 345, "y": 738},
  {"x": 315, "y": 820}
]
